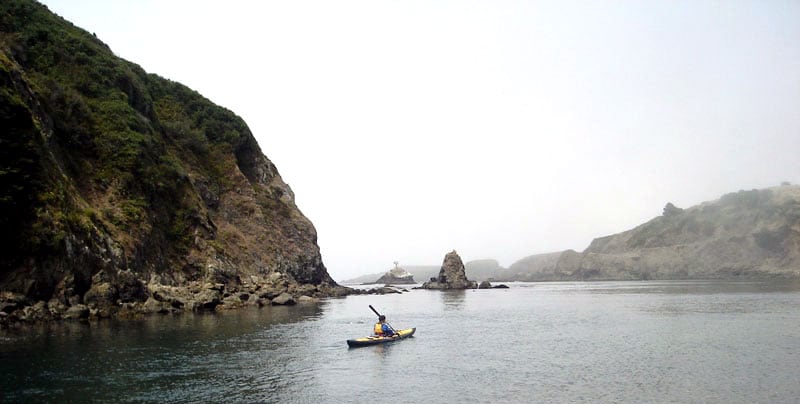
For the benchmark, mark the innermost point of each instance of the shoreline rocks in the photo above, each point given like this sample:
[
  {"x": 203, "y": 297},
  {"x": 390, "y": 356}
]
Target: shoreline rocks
[
  {"x": 488, "y": 285},
  {"x": 103, "y": 300}
]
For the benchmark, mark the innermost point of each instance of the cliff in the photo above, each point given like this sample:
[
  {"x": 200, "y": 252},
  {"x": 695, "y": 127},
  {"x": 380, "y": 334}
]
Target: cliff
[
  {"x": 123, "y": 192},
  {"x": 747, "y": 234}
]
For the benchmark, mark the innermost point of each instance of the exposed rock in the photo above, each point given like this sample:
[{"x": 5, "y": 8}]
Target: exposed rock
[
  {"x": 283, "y": 299},
  {"x": 307, "y": 299},
  {"x": 452, "y": 275},
  {"x": 501, "y": 286},
  {"x": 479, "y": 269},
  {"x": 485, "y": 285},
  {"x": 396, "y": 276},
  {"x": 671, "y": 210},
  {"x": 231, "y": 302},
  {"x": 36, "y": 312},
  {"x": 153, "y": 305},
  {"x": 76, "y": 312}
]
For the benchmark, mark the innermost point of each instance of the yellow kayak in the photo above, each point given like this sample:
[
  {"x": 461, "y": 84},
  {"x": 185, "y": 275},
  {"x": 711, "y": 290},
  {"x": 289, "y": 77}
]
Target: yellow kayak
[{"x": 372, "y": 340}]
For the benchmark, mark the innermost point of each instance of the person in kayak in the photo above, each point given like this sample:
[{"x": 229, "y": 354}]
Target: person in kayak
[{"x": 382, "y": 329}]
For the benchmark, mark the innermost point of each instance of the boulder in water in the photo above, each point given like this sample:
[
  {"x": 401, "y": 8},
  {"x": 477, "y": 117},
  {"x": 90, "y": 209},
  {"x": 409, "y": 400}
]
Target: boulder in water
[
  {"x": 283, "y": 299},
  {"x": 452, "y": 275}
]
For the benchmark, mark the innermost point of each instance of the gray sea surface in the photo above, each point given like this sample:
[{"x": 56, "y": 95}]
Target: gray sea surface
[{"x": 564, "y": 342}]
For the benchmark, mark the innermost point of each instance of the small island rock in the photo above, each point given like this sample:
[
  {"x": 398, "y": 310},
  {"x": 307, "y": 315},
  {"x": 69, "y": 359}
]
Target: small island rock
[
  {"x": 396, "y": 276},
  {"x": 452, "y": 275}
]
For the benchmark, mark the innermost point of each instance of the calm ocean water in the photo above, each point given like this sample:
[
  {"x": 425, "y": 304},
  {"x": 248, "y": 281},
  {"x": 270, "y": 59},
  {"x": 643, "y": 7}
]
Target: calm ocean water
[{"x": 659, "y": 342}]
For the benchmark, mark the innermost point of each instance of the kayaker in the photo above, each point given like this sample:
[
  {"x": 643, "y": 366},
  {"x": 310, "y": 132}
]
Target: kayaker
[{"x": 382, "y": 329}]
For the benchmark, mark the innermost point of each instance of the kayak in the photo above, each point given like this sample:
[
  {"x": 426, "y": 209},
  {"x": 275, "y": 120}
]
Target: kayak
[{"x": 373, "y": 340}]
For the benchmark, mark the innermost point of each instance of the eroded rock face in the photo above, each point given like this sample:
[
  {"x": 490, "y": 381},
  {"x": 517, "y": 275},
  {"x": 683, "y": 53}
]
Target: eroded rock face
[
  {"x": 452, "y": 275},
  {"x": 139, "y": 205}
]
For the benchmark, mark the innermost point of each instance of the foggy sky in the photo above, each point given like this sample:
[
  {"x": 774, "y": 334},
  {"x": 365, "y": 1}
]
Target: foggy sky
[{"x": 500, "y": 129}]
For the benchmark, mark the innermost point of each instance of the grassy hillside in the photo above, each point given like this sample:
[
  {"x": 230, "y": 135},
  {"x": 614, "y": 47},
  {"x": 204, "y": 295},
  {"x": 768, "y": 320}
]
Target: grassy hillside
[
  {"x": 745, "y": 234},
  {"x": 113, "y": 179}
]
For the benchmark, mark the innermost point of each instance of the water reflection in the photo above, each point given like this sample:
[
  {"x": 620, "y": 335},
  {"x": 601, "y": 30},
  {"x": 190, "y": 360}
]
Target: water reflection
[
  {"x": 453, "y": 299},
  {"x": 156, "y": 353}
]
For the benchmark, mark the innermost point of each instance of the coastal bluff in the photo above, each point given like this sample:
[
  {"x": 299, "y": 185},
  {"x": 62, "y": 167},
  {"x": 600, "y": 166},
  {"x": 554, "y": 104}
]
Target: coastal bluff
[
  {"x": 125, "y": 193},
  {"x": 751, "y": 234}
]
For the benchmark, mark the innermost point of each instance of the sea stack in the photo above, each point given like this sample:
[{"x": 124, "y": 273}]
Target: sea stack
[
  {"x": 396, "y": 276},
  {"x": 452, "y": 275}
]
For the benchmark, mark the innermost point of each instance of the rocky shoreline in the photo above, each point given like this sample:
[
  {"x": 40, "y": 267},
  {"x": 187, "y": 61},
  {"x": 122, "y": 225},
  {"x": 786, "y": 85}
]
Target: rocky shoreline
[{"x": 275, "y": 289}]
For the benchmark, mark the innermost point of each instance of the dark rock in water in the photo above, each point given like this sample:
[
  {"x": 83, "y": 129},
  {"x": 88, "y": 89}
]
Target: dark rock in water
[
  {"x": 485, "y": 285},
  {"x": 387, "y": 290},
  {"x": 501, "y": 286},
  {"x": 452, "y": 275}
]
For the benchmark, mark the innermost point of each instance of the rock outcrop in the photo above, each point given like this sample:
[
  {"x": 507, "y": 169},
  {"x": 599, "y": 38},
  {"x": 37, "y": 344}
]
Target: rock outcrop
[
  {"x": 123, "y": 193},
  {"x": 452, "y": 275},
  {"x": 743, "y": 235},
  {"x": 483, "y": 269},
  {"x": 396, "y": 276}
]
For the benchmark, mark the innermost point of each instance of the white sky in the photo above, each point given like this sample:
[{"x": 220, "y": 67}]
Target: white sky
[{"x": 497, "y": 128}]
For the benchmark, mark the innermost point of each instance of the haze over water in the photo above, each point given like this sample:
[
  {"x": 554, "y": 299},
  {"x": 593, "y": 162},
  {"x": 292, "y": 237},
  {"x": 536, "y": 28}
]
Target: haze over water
[{"x": 698, "y": 341}]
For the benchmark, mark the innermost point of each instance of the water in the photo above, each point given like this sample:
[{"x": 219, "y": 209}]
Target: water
[{"x": 715, "y": 342}]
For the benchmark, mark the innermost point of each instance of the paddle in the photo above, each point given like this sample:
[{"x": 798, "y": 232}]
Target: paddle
[{"x": 379, "y": 315}]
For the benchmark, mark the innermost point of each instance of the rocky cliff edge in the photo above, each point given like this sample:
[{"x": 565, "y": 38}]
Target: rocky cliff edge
[{"x": 125, "y": 193}]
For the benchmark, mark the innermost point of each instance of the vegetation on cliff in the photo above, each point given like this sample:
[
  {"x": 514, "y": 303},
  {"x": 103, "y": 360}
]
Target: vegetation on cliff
[
  {"x": 745, "y": 234},
  {"x": 115, "y": 183}
]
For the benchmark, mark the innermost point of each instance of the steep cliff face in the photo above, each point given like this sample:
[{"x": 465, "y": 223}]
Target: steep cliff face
[
  {"x": 747, "y": 234},
  {"x": 118, "y": 185}
]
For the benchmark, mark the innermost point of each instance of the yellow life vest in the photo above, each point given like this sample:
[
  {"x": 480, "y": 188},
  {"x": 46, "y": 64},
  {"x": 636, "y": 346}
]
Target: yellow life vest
[{"x": 378, "y": 329}]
